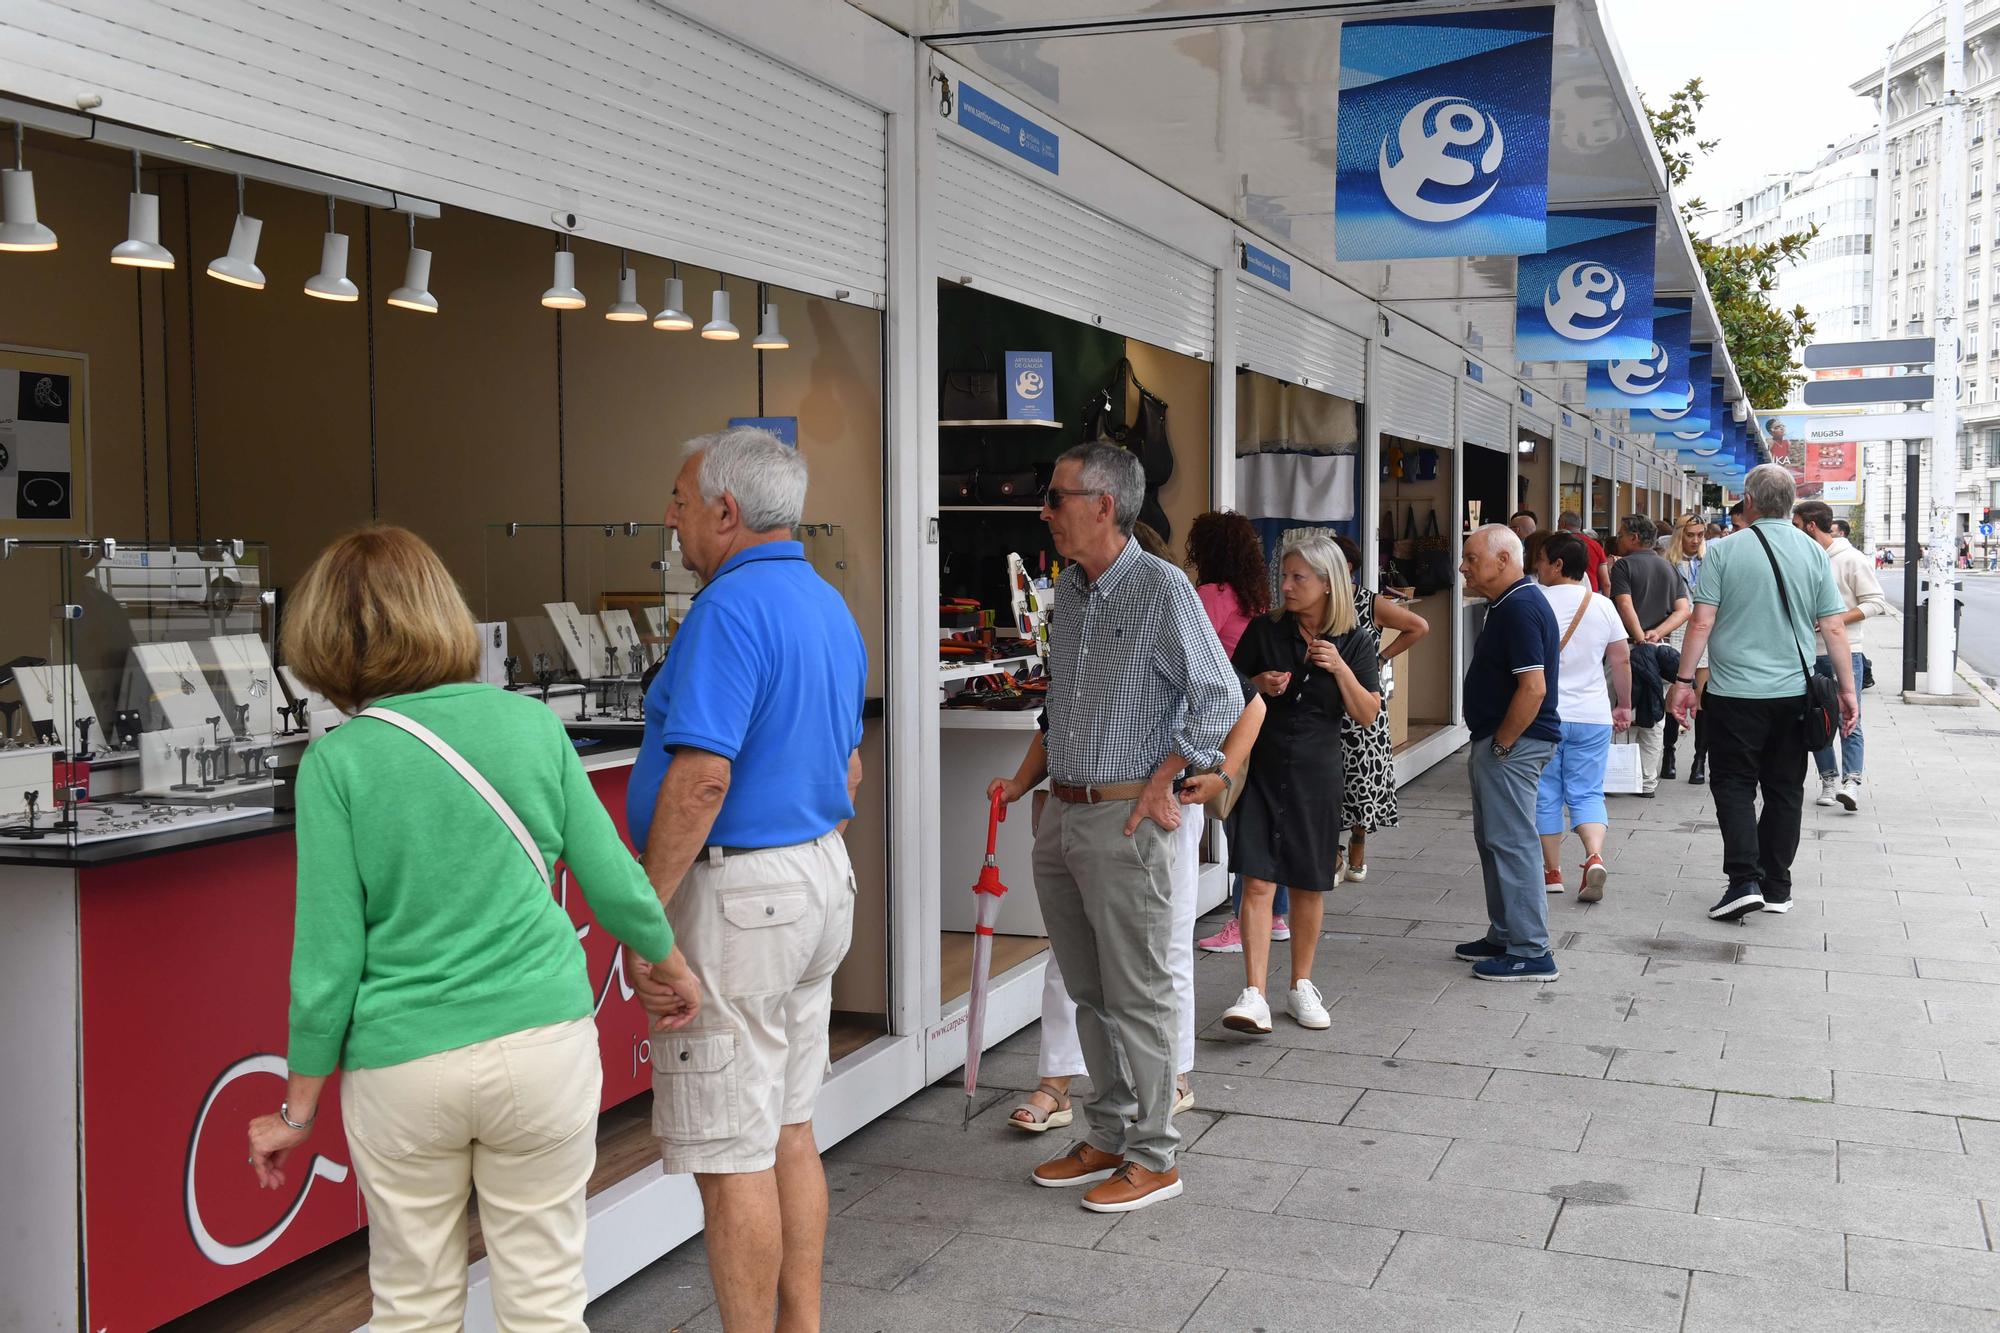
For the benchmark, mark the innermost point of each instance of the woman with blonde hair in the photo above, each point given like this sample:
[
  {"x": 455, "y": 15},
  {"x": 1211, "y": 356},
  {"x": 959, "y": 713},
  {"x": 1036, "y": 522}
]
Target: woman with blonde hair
[
  {"x": 1315, "y": 666},
  {"x": 430, "y": 960},
  {"x": 1685, "y": 554}
]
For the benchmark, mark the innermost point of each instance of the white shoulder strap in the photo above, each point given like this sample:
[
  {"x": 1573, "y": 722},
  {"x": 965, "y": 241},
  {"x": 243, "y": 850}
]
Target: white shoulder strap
[{"x": 472, "y": 776}]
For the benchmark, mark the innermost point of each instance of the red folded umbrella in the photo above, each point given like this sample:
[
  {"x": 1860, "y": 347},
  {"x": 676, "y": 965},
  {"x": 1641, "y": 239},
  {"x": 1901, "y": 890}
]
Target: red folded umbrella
[{"x": 986, "y": 897}]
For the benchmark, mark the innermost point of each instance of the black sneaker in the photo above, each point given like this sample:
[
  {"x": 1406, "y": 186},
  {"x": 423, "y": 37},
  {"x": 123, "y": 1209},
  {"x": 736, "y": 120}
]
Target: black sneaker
[
  {"x": 1774, "y": 901},
  {"x": 1740, "y": 901},
  {"x": 1480, "y": 949}
]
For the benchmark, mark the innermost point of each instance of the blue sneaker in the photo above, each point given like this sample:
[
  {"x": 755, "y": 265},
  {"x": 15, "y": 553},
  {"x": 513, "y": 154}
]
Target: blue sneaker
[
  {"x": 1517, "y": 969},
  {"x": 1478, "y": 949}
]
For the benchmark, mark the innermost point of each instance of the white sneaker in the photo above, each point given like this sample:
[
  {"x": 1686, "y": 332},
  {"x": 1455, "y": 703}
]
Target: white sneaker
[
  {"x": 1829, "y": 783},
  {"x": 1308, "y": 1009},
  {"x": 1849, "y": 794},
  {"x": 1249, "y": 1013}
]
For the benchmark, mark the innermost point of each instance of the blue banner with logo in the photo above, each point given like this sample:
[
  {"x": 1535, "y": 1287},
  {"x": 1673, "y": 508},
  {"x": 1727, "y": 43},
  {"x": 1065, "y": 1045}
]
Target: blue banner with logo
[
  {"x": 1443, "y": 145},
  {"x": 1589, "y": 297},
  {"x": 1707, "y": 439},
  {"x": 1263, "y": 264},
  {"x": 998, "y": 124},
  {"x": 1657, "y": 380},
  {"x": 1030, "y": 386},
  {"x": 1664, "y": 420}
]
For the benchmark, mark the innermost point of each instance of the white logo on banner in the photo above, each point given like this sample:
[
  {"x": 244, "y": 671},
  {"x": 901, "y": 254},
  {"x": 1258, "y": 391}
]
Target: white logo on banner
[
  {"x": 1674, "y": 413},
  {"x": 1029, "y": 384},
  {"x": 1585, "y": 302},
  {"x": 1640, "y": 377},
  {"x": 222, "y": 1252},
  {"x": 1423, "y": 144}
]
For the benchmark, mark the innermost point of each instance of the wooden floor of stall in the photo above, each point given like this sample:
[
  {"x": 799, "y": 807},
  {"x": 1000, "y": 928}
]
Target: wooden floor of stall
[
  {"x": 1418, "y": 733},
  {"x": 955, "y": 959},
  {"x": 327, "y": 1292}
]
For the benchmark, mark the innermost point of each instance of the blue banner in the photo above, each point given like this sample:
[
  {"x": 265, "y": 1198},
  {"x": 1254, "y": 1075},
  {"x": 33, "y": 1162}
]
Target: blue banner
[
  {"x": 1657, "y": 380},
  {"x": 1263, "y": 264},
  {"x": 1709, "y": 438},
  {"x": 1012, "y": 131},
  {"x": 1443, "y": 143},
  {"x": 1590, "y": 296},
  {"x": 1663, "y": 420},
  {"x": 1031, "y": 386}
]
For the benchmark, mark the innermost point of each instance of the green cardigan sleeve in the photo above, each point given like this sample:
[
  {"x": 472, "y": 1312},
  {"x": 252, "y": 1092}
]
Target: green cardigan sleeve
[
  {"x": 614, "y": 884},
  {"x": 328, "y": 930}
]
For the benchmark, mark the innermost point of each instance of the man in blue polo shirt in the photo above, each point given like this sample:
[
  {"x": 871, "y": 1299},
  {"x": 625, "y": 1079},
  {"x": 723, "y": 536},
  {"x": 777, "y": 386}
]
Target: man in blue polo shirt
[
  {"x": 1511, "y": 688},
  {"x": 743, "y": 783}
]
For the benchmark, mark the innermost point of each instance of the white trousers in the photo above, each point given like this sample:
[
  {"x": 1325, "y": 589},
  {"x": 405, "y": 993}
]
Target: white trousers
[
  {"x": 514, "y": 1118},
  {"x": 1062, "y": 1053}
]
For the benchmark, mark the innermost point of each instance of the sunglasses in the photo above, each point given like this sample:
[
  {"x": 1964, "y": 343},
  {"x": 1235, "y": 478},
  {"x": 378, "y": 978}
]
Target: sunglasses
[{"x": 1053, "y": 497}]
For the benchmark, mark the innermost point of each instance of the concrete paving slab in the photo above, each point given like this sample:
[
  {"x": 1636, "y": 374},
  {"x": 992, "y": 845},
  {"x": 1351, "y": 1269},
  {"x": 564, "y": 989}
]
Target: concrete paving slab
[
  {"x": 1859, "y": 1210},
  {"x": 1646, "y": 1296}
]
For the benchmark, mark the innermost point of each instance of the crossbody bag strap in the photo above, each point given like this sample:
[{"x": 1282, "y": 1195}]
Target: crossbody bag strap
[
  {"x": 1783, "y": 601},
  {"x": 1574, "y": 620},
  {"x": 473, "y": 777}
]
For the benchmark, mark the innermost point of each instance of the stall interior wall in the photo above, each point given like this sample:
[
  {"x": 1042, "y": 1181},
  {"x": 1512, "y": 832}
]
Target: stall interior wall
[
  {"x": 465, "y": 427},
  {"x": 1297, "y": 461}
]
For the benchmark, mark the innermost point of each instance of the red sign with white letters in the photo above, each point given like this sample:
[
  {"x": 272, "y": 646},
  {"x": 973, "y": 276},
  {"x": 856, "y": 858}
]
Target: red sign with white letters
[{"x": 186, "y": 959}]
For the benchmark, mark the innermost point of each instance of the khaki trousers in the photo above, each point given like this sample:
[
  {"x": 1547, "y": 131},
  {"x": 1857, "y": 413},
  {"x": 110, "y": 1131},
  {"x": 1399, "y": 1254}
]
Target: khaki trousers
[{"x": 514, "y": 1118}]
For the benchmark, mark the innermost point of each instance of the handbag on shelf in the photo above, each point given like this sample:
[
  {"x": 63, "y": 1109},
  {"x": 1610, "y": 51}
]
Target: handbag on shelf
[
  {"x": 970, "y": 395},
  {"x": 1434, "y": 556},
  {"x": 958, "y": 488},
  {"x": 1822, "y": 715},
  {"x": 1009, "y": 488}
]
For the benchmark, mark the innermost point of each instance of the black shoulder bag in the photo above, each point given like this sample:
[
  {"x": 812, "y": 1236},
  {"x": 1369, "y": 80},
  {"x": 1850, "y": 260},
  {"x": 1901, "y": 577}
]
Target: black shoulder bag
[{"x": 1822, "y": 693}]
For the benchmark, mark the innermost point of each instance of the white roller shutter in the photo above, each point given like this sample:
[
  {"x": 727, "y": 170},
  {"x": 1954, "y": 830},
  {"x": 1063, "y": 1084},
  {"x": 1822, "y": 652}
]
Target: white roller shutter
[
  {"x": 1539, "y": 425},
  {"x": 1569, "y": 442},
  {"x": 1482, "y": 420},
  {"x": 1276, "y": 338},
  {"x": 655, "y": 131},
  {"x": 1412, "y": 401},
  {"x": 1025, "y": 241},
  {"x": 1600, "y": 460}
]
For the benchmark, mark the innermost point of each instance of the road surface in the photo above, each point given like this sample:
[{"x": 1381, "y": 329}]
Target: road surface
[{"x": 1979, "y": 646}]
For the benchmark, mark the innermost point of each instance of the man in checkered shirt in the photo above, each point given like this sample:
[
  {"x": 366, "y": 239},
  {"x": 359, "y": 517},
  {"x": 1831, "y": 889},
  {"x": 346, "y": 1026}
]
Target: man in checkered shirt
[{"x": 1140, "y": 691}]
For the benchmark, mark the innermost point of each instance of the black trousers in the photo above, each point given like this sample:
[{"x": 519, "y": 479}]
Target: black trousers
[{"x": 1757, "y": 746}]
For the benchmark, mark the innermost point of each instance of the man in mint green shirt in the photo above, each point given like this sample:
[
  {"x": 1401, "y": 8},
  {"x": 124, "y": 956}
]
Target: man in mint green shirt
[{"x": 1759, "y": 655}]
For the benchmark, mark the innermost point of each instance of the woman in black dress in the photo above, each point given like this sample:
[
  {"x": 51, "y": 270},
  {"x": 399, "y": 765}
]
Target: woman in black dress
[{"x": 1314, "y": 665}]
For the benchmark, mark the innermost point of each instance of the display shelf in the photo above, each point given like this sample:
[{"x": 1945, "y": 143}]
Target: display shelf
[
  {"x": 976, "y": 719},
  {"x": 1033, "y": 509},
  {"x": 998, "y": 424},
  {"x": 948, "y": 675}
]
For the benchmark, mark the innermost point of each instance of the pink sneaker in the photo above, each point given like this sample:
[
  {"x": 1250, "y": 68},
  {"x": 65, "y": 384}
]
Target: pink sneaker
[
  {"x": 1281, "y": 929},
  {"x": 1227, "y": 940}
]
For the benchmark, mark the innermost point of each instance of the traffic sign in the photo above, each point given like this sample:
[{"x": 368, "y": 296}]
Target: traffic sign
[
  {"x": 1871, "y": 352},
  {"x": 1986, "y": 529},
  {"x": 1874, "y": 389}
]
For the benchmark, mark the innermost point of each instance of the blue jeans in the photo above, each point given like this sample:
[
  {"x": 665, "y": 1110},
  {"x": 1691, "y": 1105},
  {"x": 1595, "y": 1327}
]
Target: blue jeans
[
  {"x": 1851, "y": 749},
  {"x": 1574, "y": 777},
  {"x": 1281, "y": 903},
  {"x": 1510, "y": 855}
]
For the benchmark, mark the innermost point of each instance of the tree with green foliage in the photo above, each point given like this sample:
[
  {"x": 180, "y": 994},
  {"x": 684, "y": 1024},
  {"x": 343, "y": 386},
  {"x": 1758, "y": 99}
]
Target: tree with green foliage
[{"x": 1762, "y": 337}]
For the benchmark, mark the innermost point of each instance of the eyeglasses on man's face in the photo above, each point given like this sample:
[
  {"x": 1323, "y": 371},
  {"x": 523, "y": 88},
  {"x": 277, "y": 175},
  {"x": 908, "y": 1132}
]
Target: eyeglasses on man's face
[{"x": 1053, "y": 497}]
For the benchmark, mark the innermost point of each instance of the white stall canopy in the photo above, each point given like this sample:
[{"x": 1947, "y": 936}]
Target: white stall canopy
[
  {"x": 1276, "y": 338},
  {"x": 1412, "y": 401}
]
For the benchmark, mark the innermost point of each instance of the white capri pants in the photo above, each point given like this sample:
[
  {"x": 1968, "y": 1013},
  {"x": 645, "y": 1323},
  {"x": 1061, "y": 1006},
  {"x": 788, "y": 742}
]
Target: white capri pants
[{"x": 1062, "y": 1054}]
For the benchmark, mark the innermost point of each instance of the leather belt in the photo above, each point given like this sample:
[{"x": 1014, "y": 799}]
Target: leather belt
[
  {"x": 713, "y": 854},
  {"x": 1116, "y": 791}
]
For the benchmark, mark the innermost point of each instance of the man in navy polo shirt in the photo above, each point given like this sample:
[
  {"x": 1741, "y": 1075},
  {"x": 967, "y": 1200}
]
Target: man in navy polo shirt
[
  {"x": 1510, "y": 707},
  {"x": 744, "y": 781}
]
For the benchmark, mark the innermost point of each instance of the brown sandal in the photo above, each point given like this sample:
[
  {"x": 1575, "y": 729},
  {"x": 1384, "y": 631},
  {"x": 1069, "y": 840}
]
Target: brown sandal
[{"x": 1041, "y": 1120}]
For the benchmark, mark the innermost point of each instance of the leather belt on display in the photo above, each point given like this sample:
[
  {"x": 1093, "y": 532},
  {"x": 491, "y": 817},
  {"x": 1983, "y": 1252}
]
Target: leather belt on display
[{"x": 1117, "y": 791}]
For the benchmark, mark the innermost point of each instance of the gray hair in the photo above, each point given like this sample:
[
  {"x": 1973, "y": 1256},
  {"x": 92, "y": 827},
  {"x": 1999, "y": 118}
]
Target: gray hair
[
  {"x": 1117, "y": 473},
  {"x": 1571, "y": 521},
  {"x": 1503, "y": 539},
  {"x": 1325, "y": 559},
  {"x": 1641, "y": 527},
  {"x": 1771, "y": 489},
  {"x": 766, "y": 475}
]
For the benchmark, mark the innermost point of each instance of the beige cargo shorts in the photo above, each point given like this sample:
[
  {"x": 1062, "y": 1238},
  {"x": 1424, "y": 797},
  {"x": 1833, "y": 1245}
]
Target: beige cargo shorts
[{"x": 763, "y": 932}]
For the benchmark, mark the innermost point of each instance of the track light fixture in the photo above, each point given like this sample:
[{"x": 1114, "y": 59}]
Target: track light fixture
[
  {"x": 331, "y": 283},
  {"x": 141, "y": 247},
  {"x": 415, "y": 293},
  {"x": 20, "y": 229},
  {"x": 562, "y": 293},
  {"x": 672, "y": 318},
  {"x": 626, "y": 309},
  {"x": 768, "y": 338},
  {"x": 719, "y": 329},
  {"x": 239, "y": 266}
]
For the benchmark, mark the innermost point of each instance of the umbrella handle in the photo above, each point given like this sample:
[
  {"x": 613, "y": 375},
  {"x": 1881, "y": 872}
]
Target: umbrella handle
[{"x": 995, "y": 818}]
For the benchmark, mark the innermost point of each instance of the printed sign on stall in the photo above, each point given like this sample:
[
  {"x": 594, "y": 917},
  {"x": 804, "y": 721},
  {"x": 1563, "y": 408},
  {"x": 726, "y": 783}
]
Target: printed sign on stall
[
  {"x": 1663, "y": 421},
  {"x": 1443, "y": 141},
  {"x": 785, "y": 428},
  {"x": 1263, "y": 264},
  {"x": 1590, "y": 296},
  {"x": 1030, "y": 386},
  {"x": 1008, "y": 128},
  {"x": 1656, "y": 380}
]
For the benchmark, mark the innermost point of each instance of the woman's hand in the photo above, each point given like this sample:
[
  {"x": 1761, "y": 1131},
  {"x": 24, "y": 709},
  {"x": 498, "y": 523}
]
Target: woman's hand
[
  {"x": 1621, "y": 719},
  {"x": 1323, "y": 654},
  {"x": 669, "y": 991},
  {"x": 271, "y": 1142},
  {"x": 1273, "y": 683}
]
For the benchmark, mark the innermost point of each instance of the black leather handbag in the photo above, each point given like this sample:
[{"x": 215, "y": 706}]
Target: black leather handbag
[{"x": 970, "y": 395}]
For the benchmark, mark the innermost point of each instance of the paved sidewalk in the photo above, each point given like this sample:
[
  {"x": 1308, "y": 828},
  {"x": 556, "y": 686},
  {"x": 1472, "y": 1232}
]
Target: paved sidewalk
[{"x": 1789, "y": 1123}]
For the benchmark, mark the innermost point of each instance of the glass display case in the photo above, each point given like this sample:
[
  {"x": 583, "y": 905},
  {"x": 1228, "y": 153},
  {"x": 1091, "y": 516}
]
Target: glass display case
[{"x": 140, "y": 695}]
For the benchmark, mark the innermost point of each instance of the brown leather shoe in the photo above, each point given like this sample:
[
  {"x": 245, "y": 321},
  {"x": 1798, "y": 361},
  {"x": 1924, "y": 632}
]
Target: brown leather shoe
[
  {"x": 1081, "y": 1165},
  {"x": 1133, "y": 1187}
]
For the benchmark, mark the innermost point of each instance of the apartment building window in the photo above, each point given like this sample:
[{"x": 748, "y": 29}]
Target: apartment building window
[
  {"x": 1977, "y": 186},
  {"x": 1972, "y": 287},
  {"x": 1972, "y": 391},
  {"x": 1974, "y": 229},
  {"x": 1971, "y": 352}
]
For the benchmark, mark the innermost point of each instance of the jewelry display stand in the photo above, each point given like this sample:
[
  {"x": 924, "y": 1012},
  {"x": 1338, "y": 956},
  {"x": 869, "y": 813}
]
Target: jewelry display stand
[
  {"x": 28, "y": 768},
  {"x": 583, "y": 641},
  {"x": 56, "y": 695},
  {"x": 245, "y": 670},
  {"x": 493, "y": 652},
  {"x": 187, "y": 765},
  {"x": 320, "y": 715},
  {"x": 176, "y": 685},
  {"x": 536, "y": 636},
  {"x": 622, "y": 634}
]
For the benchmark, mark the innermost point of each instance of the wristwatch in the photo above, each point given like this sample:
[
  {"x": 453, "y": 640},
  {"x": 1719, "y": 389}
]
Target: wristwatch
[
  {"x": 1683, "y": 680},
  {"x": 1501, "y": 751}
]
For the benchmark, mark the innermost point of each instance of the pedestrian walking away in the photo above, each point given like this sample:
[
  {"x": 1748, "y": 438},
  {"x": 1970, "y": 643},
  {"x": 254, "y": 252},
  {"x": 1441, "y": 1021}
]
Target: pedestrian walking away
[
  {"x": 744, "y": 782},
  {"x": 1685, "y": 554},
  {"x": 1158, "y": 698},
  {"x": 1760, "y": 593},
  {"x": 1315, "y": 668},
  {"x": 1512, "y": 684},
  {"x": 432, "y": 964},
  {"x": 1368, "y": 755},
  {"x": 1653, "y": 604},
  {"x": 1840, "y": 784},
  {"x": 1593, "y": 650},
  {"x": 1571, "y": 521}
]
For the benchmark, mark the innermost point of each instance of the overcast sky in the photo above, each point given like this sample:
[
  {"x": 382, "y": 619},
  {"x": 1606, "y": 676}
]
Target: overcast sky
[{"x": 1776, "y": 73}]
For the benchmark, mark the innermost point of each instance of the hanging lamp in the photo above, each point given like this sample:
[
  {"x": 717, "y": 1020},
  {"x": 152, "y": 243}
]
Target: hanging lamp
[
  {"x": 719, "y": 329},
  {"x": 626, "y": 309},
  {"x": 20, "y": 229},
  {"x": 415, "y": 293},
  {"x": 239, "y": 266},
  {"x": 141, "y": 247},
  {"x": 769, "y": 338},
  {"x": 672, "y": 318},
  {"x": 331, "y": 283},
  {"x": 563, "y": 293}
]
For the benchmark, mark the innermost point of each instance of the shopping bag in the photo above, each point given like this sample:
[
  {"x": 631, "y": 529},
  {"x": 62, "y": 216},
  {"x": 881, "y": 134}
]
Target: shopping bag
[{"x": 1622, "y": 772}]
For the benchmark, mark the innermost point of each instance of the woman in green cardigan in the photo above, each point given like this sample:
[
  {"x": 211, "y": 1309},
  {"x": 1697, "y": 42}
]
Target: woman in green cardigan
[{"x": 431, "y": 962}]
